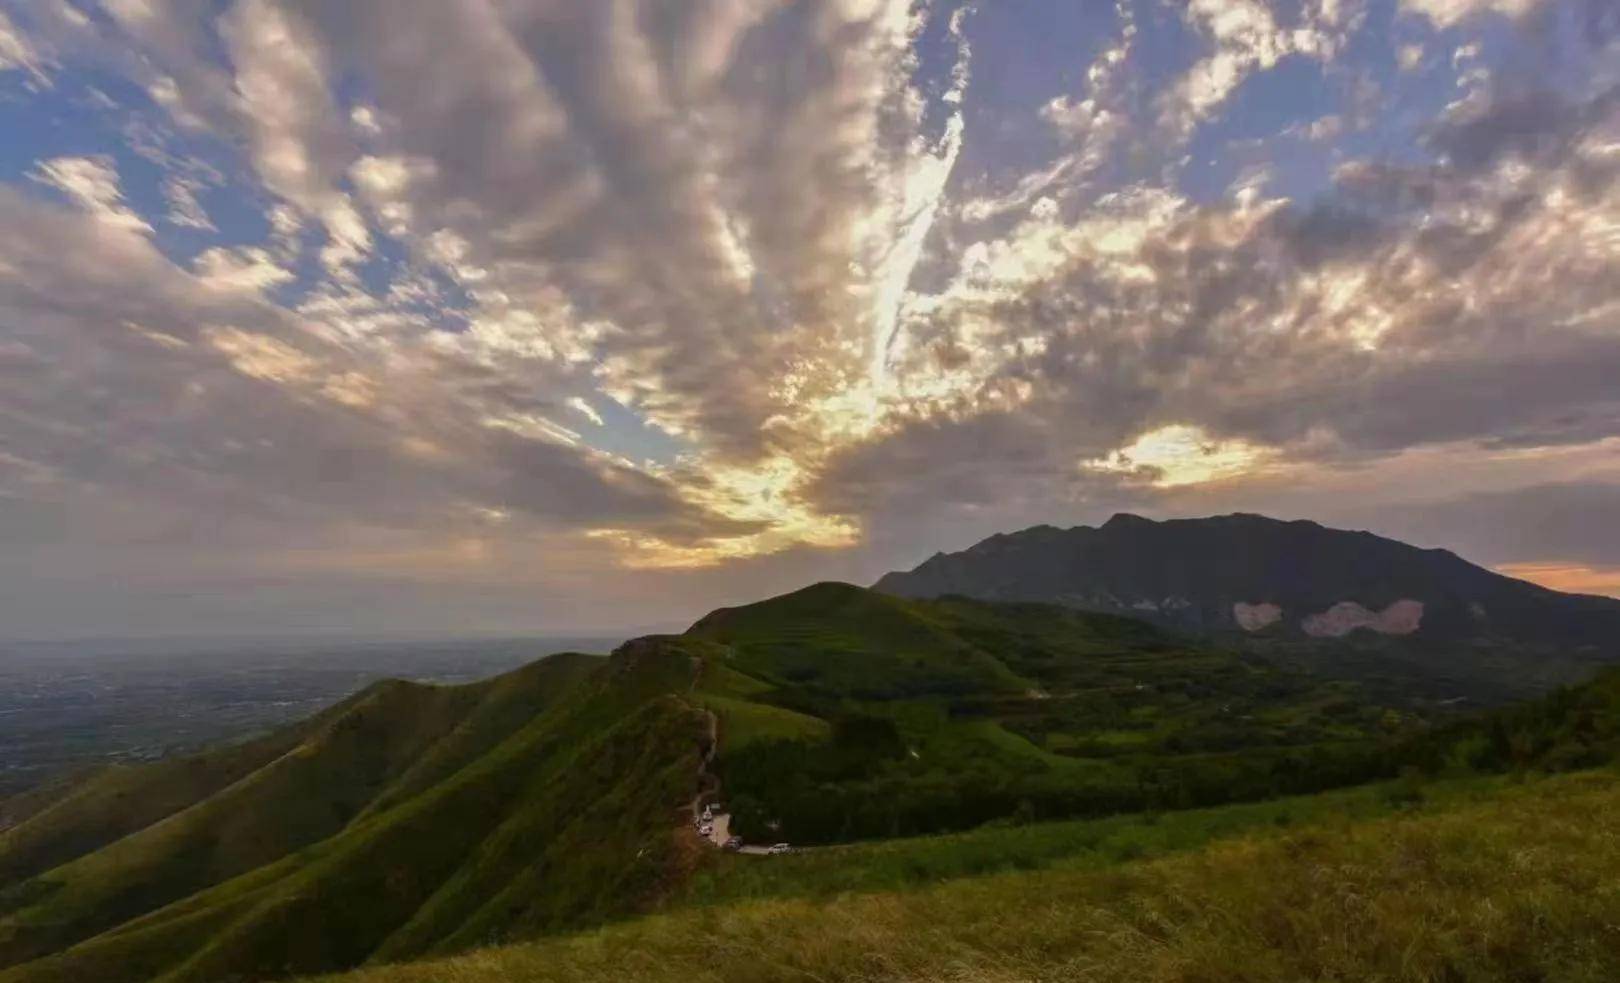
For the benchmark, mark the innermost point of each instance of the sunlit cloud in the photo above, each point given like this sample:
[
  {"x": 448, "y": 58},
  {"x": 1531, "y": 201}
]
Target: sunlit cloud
[
  {"x": 684, "y": 290},
  {"x": 1446, "y": 13},
  {"x": 92, "y": 184},
  {"x": 1182, "y": 455},
  {"x": 1578, "y": 578}
]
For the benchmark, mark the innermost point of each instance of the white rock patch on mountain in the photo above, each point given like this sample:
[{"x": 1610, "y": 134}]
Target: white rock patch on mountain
[
  {"x": 1253, "y": 617},
  {"x": 1401, "y": 618}
]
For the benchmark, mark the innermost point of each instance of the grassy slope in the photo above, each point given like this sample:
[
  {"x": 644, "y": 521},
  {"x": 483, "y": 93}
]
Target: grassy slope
[
  {"x": 109, "y": 803},
  {"x": 518, "y": 814},
  {"x": 1038, "y": 667},
  {"x": 854, "y": 642},
  {"x": 743, "y": 722},
  {"x": 911, "y": 862},
  {"x": 1456, "y": 892},
  {"x": 298, "y": 799},
  {"x": 417, "y": 821},
  {"x": 999, "y": 705}
]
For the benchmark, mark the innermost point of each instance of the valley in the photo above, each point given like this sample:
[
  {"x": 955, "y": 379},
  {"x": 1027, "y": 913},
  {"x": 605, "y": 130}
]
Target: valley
[{"x": 69, "y": 706}]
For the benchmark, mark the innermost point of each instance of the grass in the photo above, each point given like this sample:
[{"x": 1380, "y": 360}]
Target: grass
[
  {"x": 413, "y": 822},
  {"x": 296, "y": 799},
  {"x": 540, "y": 800},
  {"x": 849, "y": 641},
  {"x": 1003, "y": 707},
  {"x": 68, "y": 821},
  {"x": 1460, "y": 893},
  {"x": 742, "y": 723},
  {"x": 912, "y": 862}
]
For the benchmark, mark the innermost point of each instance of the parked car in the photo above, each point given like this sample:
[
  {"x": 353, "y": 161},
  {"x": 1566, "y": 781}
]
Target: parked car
[
  {"x": 779, "y": 848},
  {"x": 733, "y": 843},
  {"x": 707, "y": 829}
]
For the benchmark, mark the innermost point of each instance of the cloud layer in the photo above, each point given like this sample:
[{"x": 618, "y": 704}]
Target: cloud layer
[{"x": 526, "y": 311}]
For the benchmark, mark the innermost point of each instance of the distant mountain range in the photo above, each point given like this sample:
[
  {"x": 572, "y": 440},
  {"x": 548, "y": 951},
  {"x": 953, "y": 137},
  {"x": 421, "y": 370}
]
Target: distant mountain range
[{"x": 1280, "y": 585}]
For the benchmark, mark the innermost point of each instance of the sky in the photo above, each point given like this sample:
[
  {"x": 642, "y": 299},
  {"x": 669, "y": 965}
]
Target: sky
[{"x": 508, "y": 315}]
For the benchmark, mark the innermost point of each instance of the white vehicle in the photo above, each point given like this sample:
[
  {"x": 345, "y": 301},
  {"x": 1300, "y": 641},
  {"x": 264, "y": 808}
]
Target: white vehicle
[
  {"x": 707, "y": 829},
  {"x": 777, "y": 848}
]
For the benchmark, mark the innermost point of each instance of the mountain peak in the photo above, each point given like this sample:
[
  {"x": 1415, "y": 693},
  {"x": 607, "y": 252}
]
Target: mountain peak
[
  {"x": 1246, "y": 574},
  {"x": 1121, "y": 520}
]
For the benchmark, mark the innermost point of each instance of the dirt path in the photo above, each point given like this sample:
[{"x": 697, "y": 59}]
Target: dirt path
[
  {"x": 722, "y": 829},
  {"x": 709, "y": 782}
]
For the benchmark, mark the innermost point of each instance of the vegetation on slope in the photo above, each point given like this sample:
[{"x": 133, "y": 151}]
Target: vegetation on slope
[
  {"x": 72, "y": 818},
  {"x": 949, "y": 713},
  {"x": 1483, "y": 636},
  {"x": 908, "y": 863},
  {"x": 1570, "y": 728},
  {"x": 1457, "y": 893},
  {"x": 416, "y": 820}
]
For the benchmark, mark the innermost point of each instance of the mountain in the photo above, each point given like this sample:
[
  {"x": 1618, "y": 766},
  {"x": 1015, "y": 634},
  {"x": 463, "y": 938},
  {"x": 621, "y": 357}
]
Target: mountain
[
  {"x": 1416, "y": 879},
  {"x": 1422, "y": 878},
  {"x": 413, "y": 820},
  {"x": 1279, "y": 584}
]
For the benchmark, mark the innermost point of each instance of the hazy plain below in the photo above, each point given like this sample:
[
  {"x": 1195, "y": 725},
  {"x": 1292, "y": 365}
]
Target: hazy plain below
[{"x": 65, "y": 706}]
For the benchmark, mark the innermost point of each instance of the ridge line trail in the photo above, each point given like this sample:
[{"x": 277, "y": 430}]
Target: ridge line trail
[{"x": 708, "y": 781}]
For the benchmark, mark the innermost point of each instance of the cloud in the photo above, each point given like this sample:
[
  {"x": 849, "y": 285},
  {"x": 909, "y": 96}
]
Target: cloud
[
  {"x": 158, "y": 384},
  {"x": 585, "y": 409},
  {"x": 1246, "y": 38},
  {"x": 1449, "y": 13},
  {"x": 744, "y": 285},
  {"x": 300, "y": 146},
  {"x": 247, "y": 268},
  {"x": 92, "y": 183},
  {"x": 1575, "y": 578},
  {"x": 1401, "y": 310},
  {"x": 1181, "y": 455},
  {"x": 185, "y": 210},
  {"x": 579, "y": 136},
  {"x": 18, "y": 54}
]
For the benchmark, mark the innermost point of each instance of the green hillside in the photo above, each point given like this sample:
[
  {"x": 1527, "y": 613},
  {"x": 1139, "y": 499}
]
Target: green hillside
[
  {"x": 409, "y": 820},
  {"x": 948, "y": 713},
  {"x": 412, "y": 822},
  {"x": 844, "y": 641},
  {"x": 1455, "y": 890},
  {"x": 1570, "y": 728}
]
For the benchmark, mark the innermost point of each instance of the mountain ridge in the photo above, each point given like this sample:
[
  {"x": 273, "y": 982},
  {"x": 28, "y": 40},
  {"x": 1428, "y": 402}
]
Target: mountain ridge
[
  {"x": 415, "y": 820},
  {"x": 1191, "y": 573},
  {"x": 1341, "y": 603}
]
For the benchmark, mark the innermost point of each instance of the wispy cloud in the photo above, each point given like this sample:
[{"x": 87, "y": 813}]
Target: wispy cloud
[{"x": 634, "y": 286}]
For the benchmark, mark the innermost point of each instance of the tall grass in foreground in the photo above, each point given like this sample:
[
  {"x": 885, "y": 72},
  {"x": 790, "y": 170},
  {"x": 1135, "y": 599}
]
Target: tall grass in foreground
[
  {"x": 1522, "y": 887},
  {"x": 911, "y": 863}
]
